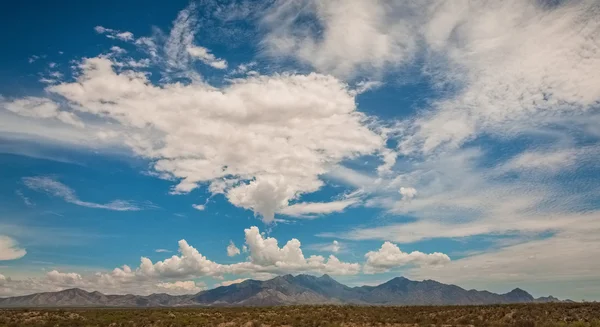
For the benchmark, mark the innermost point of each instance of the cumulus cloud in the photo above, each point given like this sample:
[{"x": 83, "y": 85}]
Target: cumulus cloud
[
  {"x": 408, "y": 193},
  {"x": 390, "y": 256},
  {"x": 255, "y": 135},
  {"x": 199, "y": 207},
  {"x": 266, "y": 259},
  {"x": 266, "y": 253},
  {"x": 232, "y": 250},
  {"x": 182, "y": 287},
  {"x": 9, "y": 249},
  {"x": 55, "y": 188}
]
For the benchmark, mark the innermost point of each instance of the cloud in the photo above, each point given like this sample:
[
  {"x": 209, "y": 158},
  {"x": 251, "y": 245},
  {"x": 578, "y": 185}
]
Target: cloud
[
  {"x": 508, "y": 83},
  {"x": 41, "y": 108},
  {"x": 232, "y": 250},
  {"x": 55, "y": 188},
  {"x": 546, "y": 262},
  {"x": 25, "y": 199},
  {"x": 199, "y": 207},
  {"x": 117, "y": 50},
  {"x": 407, "y": 193},
  {"x": 257, "y": 147},
  {"x": 507, "y": 144},
  {"x": 266, "y": 259},
  {"x": 334, "y": 247},
  {"x": 114, "y": 34},
  {"x": 182, "y": 287},
  {"x": 206, "y": 57},
  {"x": 550, "y": 161},
  {"x": 390, "y": 256},
  {"x": 382, "y": 36},
  {"x": 308, "y": 209},
  {"x": 255, "y": 129},
  {"x": 63, "y": 278},
  {"x": 9, "y": 249},
  {"x": 162, "y": 251}
]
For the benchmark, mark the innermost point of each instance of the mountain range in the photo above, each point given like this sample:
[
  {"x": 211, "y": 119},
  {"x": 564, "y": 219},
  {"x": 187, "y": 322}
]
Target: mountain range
[{"x": 286, "y": 290}]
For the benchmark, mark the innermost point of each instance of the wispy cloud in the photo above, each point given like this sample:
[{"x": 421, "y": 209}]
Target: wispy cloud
[
  {"x": 25, "y": 199},
  {"x": 55, "y": 188},
  {"x": 333, "y": 247},
  {"x": 313, "y": 209}
]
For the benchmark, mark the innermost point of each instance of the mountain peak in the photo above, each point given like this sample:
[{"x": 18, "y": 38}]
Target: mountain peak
[
  {"x": 398, "y": 280},
  {"x": 518, "y": 291},
  {"x": 75, "y": 290},
  {"x": 326, "y": 277},
  {"x": 519, "y": 295}
]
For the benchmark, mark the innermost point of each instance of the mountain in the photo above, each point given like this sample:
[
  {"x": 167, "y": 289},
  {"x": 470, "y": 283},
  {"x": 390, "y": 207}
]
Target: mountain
[{"x": 286, "y": 290}]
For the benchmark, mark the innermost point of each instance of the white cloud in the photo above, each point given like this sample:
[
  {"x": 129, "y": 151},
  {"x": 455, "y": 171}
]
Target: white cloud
[
  {"x": 255, "y": 129},
  {"x": 200, "y": 207},
  {"x": 100, "y": 29},
  {"x": 550, "y": 161},
  {"x": 124, "y": 36},
  {"x": 408, "y": 193},
  {"x": 243, "y": 68},
  {"x": 308, "y": 209},
  {"x": 41, "y": 108},
  {"x": 55, "y": 188},
  {"x": 509, "y": 83},
  {"x": 364, "y": 86},
  {"x": 266, "y": 254},
  {"x": 266, "y": 259},
  {"x": 232, "y": 250},
  {"x": 64, "y": 278},
  {"x": 334, "y": 247},
  {"x": 382, "y": 36},
  {"x": 162, "y": 251},
  {"x": 390, "y": 256},
  {"x": 9, "y": 249},
  {"x": 117, "y": 50},
  {"x": 545, "y": 265},
  {"x": 206, "y": 57},
  {"x": 115, "y": 34},
  {"x": 181, "y": 287},
  {"x": 25, "y": 199}
]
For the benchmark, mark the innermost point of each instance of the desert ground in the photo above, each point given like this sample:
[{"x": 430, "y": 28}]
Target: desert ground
[{"x": 523, "y": 315}]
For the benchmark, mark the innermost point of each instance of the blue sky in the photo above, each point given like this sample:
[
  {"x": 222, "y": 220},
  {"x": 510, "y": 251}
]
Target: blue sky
[{"x": 175, "y": 147}]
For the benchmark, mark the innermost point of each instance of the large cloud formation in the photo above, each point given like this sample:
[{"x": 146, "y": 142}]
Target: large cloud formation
[
  {"x": 251, "y": 139},
  {"x": 178, "y": 273}
]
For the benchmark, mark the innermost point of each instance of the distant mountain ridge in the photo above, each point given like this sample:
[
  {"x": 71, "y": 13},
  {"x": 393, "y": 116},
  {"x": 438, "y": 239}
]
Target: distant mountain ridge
[{"x": 286, "y": 290}]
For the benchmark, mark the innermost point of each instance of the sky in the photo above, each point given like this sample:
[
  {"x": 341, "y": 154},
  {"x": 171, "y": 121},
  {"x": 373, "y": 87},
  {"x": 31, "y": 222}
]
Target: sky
[{"x": 151, "y": 146}]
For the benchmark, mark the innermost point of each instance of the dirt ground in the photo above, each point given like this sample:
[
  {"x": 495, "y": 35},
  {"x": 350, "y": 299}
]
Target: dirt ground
[{"x": 526, "y": 315}]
